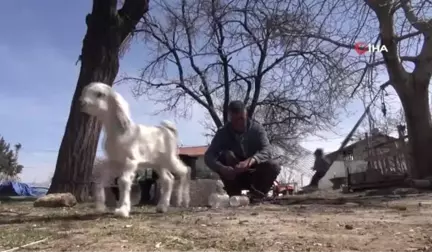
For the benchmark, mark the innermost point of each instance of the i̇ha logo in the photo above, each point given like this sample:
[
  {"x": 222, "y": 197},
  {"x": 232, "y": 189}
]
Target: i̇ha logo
[{"x": 361, "y": 48}]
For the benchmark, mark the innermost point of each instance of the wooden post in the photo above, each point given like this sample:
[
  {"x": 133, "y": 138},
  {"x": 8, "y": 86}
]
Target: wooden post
[
  {"x": 405, "y": 154},
  {"x": 301, "y": 179}
]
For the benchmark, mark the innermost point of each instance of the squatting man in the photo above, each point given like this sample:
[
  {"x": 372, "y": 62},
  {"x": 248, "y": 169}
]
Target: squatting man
[{"x": 240, "y": 153}]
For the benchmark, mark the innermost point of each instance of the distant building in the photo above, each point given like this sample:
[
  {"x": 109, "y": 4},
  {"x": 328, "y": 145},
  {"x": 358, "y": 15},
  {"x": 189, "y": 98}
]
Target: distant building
[
  {"x": 370, "y": 161},
  {"x": 193, "y": 156},
  {"x": 359, "y": 150}
]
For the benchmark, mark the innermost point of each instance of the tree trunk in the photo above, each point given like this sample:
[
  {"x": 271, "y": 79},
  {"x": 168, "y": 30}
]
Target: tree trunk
[
  {"x": 418, "y": 119},
  {"x": 106, "y": 30}
]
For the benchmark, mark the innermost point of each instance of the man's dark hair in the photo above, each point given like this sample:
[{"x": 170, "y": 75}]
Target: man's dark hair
[{"x": 236, "y": 107}]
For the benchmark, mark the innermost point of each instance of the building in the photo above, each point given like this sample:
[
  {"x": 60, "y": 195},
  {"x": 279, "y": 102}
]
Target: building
[
  {"x": 374, "y": 159},
  {"x": 360, "y": 150},
  {"x": 193, "y": 156}
]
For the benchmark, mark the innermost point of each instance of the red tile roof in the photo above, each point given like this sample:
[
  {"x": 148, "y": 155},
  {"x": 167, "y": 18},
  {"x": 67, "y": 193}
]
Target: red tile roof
[{"x": 193, "y": 151}]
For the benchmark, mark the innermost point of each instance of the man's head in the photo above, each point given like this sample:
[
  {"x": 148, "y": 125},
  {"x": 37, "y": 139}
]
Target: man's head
[
  {"x": 319, "y": 152},
  {"x": 237, "y": 115}
]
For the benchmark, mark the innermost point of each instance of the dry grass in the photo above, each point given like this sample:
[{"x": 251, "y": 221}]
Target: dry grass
[{"x": 402, "y": 225}]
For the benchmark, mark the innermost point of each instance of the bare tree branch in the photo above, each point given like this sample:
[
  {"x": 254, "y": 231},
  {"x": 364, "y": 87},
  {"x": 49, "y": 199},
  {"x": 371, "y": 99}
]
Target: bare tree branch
[
  {"x": 292, "y": 62},
  {"x": 424, "y": 26}
]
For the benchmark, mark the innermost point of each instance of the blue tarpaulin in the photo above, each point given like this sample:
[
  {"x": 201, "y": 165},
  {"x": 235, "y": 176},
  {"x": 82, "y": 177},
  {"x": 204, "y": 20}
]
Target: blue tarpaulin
[
  {"x": 39, "y": 191},
  {"x": 10, "y": 188}
]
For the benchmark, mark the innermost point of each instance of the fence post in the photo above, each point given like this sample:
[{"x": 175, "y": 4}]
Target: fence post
[{"x": 405, "y": 151}]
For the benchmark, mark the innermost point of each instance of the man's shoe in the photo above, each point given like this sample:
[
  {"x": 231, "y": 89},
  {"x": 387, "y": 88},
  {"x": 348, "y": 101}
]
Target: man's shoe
[
  {"x": 256, "y": 196},
  {"x": 255, "y": 200},
  {"x": 258, "y": 199}
]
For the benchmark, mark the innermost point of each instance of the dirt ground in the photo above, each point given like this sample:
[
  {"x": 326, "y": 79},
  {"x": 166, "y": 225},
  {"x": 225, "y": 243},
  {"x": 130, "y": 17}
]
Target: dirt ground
[{"x": 403, "y": 224}]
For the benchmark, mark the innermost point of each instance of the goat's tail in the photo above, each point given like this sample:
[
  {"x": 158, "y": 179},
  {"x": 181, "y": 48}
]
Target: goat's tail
[{"x": 170, "y": 125}]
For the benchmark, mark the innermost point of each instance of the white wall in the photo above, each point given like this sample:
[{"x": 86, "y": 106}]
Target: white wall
[
  {"x": 294, "y": 176},
  {"x": 200, "y": 162},
  {"x": 338, "y": 170}
]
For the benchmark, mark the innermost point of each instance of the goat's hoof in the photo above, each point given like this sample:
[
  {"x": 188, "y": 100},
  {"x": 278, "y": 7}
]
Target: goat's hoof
[
  {"x": 100, "y": 208},
  {"x": 161, "y": 209},
  {"x": 121, "y": 212},
  {"x": 186, "y": 202}
]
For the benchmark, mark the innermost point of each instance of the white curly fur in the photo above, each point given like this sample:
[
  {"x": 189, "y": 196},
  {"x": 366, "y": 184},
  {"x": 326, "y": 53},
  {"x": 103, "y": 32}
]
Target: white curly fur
[{"x": 128, "y": 145}]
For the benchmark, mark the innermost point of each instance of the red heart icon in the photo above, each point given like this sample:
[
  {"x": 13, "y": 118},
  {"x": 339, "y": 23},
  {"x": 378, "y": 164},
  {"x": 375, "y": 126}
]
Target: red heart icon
[{"x": 361, "y": 48}]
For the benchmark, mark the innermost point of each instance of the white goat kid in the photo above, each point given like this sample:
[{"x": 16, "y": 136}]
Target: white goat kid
[{"x": 128, "y": 145}]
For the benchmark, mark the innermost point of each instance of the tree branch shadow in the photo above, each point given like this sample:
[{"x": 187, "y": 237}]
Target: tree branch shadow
[{"x": 55, "y": 217}]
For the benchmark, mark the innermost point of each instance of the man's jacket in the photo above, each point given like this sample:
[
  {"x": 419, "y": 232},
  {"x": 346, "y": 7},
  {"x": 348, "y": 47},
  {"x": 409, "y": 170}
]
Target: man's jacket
[{"x": 252, "y": 143}]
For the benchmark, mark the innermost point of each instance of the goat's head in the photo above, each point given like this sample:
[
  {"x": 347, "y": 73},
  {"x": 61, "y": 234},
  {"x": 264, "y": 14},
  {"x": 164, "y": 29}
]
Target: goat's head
[
  {"x": 100, "y": 100},
  {"x": 95, "y": 99}
]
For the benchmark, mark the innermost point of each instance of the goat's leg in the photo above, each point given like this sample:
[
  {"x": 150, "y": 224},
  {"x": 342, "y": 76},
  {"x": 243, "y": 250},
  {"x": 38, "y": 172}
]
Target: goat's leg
[
  {"x": 125, "y": 185},
  {"x": 124, "y": 205},
  {"x": 183, "y": 198},
  {"x": 178, "y": 191},
  {"x": 183, "y": 172},
  {"x": 99, "y": 195},
  {"x": 185, "y": 180},
  {"x": 166, "y": 182},
  {"x": 179, "y": 194},
  {"x": 183, "y": 189},
  {"x": 99, "y": 192}
]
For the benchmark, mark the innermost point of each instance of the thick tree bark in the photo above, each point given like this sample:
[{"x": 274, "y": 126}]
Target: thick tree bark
[
  {"x": 412, "y": 88},
  {"x": 418, "y": 119},
  {"x": 107, "y": 28}
]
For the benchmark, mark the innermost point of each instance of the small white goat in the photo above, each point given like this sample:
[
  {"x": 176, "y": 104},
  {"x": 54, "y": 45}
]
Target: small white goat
[{"x": 128, "y": 145}]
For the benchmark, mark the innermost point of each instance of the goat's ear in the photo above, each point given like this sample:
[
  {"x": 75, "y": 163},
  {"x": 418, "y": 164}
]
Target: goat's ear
[{"x": 121, "y": 119}]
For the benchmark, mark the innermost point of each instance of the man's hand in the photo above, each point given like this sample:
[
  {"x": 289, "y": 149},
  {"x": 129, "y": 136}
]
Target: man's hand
[
  {"x": 244, "y": 165},
  {"x": 228, "y": 173}
]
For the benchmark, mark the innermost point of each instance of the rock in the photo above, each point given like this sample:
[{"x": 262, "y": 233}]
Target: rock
[
  {"x": 351, "y": 204},
  {"x": 412, "y": 249},
  {"x": 405, "y": 191},
  {"x": 345, "y": 189},
  {"x": 56, "y": 200},
  {"x": 400, "y": 208},
  {"x": 349, "y": 227},
  {"x": 379, "y": 192}
]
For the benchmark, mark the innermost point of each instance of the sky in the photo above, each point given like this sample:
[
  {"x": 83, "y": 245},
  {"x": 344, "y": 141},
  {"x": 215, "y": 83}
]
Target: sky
[{"x": 39, "y": 46}]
